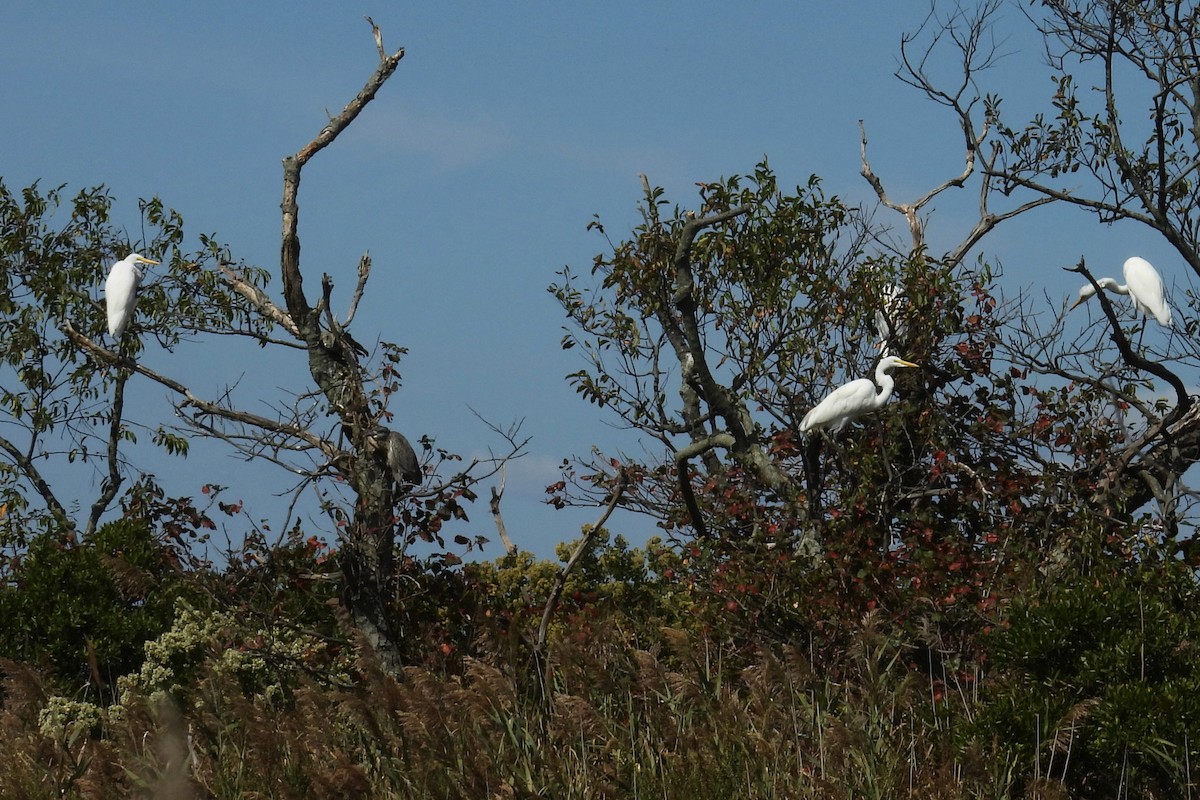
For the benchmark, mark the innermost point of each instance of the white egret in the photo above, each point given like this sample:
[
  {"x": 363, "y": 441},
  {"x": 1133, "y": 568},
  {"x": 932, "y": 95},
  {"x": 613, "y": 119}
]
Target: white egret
[
  {"x": 400, "y": 456},
  {"x": 887, "y": 317},
  {"x": 120, "y": 291},
  {"x": 850, "y": 401},
  {"x": 1144, "y": 286}
]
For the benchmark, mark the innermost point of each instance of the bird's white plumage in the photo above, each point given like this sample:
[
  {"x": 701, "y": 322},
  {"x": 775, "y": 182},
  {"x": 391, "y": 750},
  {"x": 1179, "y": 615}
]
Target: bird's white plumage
[
  {"x": 887, "y": 317},
  {"x": 120, "y": 291},
  {"x": 850, "y": 401},
  {"x": 1144, "y": 286}
]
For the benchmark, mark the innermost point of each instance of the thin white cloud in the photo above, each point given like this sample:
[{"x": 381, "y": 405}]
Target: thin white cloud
[
  {"x": 662, "y": 165},
  {"x": 450, "y": 142},
  {"x": 527, "y": 476}
]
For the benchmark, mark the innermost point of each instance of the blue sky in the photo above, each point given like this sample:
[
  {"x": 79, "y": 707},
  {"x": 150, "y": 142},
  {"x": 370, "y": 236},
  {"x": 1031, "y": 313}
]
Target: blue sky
[{"x": 473, "y": 175}]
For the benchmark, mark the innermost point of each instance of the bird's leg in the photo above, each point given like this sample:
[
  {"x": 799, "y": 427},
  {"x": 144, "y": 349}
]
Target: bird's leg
[
  {"x": 812, "y": 469},
  {"x": 887, "y": 462},
  {"x": 1118, "y": 413},
  {"x": 814, "y": 474}
]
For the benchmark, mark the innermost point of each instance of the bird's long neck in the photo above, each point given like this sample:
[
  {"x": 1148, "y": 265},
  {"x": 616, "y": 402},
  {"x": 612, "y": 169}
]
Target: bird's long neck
[
  {"x": 1113, "y": 286},
  {"x": 886, "y": 384}
]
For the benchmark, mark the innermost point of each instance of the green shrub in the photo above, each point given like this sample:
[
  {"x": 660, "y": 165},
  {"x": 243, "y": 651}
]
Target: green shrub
[
  {"x": 1099, "y": 682},
  {"x": 84, "y": 611}
]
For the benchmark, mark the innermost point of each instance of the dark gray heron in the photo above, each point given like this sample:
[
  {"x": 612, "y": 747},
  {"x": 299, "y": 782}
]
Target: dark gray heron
[{"x": 400, "y": 456}]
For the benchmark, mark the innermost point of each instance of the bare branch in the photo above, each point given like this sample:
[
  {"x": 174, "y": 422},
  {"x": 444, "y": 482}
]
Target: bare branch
[
  {"x": 242, "y": 417},
  {"x": 112, "y": 483},
  {"x": 30, "y": 470},
  {"x": 986, "y": 223},
  {"x": 364, "y": 272},
  {"x": 911, "y": 211},
  {"x": 259, "y": 300},
  {"x": 582, "y": 547},
  {"x": 497, "y": 494}
]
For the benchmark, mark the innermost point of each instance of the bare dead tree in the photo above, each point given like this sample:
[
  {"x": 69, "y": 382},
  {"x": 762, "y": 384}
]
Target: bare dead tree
[
  {"x": 1141, "y": 164},
  {"x": 967, "y": 34},
  {"x": 325, "y": 432}
]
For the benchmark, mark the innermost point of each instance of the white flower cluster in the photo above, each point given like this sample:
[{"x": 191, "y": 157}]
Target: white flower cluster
[
  {"x": 63, "y": 717},
  {"x": 264, "y": 660},
  {"x": 173, "y": 655}
]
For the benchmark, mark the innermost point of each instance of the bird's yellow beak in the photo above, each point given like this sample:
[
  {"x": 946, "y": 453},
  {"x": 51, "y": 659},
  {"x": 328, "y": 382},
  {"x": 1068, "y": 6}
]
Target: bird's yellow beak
[
  {"x": 900, "y": 362},
  {"x": 144, "y": 260}
]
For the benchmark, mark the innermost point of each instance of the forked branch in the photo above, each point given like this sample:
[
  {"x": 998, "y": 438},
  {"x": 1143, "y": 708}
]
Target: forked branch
[
  {"x": 293, "y": 284},
  {"x": 259, "y": 300},
  {"x": 497, "y": 496}
]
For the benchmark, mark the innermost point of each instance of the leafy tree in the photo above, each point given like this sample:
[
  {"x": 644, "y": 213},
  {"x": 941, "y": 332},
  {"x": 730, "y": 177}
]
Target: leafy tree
[
  {"x": 58, "y": 404},
  {"x": 751, "y": 325},
  {"x": 714, "y": 328}
]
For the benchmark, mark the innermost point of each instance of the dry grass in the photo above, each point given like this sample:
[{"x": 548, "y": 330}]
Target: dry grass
[{"x": 682, "y": 718}]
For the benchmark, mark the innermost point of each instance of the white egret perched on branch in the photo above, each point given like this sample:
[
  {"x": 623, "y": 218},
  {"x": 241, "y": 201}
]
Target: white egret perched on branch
[
  {"x": 850, "y": 401},
  {"x": 1144, "y": 286},
  {"x": 120, "y": 291}
]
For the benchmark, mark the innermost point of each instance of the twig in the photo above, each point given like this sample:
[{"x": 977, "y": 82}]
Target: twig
[
  {"x": 378, "y": 38},
  {"x": 585, "y": 543}
]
